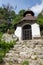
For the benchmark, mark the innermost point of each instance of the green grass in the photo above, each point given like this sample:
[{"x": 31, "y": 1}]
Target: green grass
[
  {"x": 25, "y": 63},
  {"x": 41, "y": 64}
]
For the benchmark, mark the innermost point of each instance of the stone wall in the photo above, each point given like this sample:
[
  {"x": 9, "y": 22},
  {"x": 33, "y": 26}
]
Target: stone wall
[{"x": 31, "y": 51}]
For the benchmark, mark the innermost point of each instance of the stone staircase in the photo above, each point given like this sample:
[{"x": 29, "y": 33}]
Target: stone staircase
[{"x": 30, "y": 50}]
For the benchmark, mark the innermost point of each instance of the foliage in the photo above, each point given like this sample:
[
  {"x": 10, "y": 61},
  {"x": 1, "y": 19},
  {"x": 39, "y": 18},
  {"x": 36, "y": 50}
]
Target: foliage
[
  {"x": 21, "y": 12},
  {"x": 6, "y": 45},
  {"x": 4, "y": 48},
  {"x": 18, "y": 17},
  {"x": 40, "y": 19},
  {"x": 2, "y": 54},
  {"x": 41, "y": 33},
  {"x": 41, "y": 64},
  {"x": 7, "y": 14},
  {"x": 1, "y": 35},
  {"x": 8, "y": 17},
  {"x": 25, "y": 63}
]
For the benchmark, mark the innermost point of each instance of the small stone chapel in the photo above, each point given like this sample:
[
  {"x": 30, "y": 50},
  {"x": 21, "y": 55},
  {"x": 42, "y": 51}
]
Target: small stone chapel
[{"x": 27, "y": 28}]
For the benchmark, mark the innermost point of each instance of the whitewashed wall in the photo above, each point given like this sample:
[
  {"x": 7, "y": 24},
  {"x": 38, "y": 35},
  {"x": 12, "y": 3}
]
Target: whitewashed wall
[
  {"x": 18, "y": 32},
  {"x": 35, "y": 30}
]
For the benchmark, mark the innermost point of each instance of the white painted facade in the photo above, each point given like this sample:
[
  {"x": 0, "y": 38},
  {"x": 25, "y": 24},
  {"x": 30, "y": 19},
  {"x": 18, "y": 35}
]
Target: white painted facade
[
  {"x": 35, "y": 31},
  {"x": 18, "y": 32}
]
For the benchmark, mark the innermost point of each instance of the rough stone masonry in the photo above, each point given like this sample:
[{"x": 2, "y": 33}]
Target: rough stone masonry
[{"x": 31, "y": 50}]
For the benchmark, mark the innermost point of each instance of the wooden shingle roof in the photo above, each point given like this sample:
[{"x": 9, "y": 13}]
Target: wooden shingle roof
[{"x": 29, "y": 17}]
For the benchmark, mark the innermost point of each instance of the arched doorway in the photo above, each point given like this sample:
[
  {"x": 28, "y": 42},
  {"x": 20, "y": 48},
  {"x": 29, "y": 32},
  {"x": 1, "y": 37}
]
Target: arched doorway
[{"x": 26, "y": 32}]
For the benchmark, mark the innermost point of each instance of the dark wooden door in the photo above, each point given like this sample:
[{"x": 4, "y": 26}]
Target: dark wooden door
[{"x": 26, "y": 34}]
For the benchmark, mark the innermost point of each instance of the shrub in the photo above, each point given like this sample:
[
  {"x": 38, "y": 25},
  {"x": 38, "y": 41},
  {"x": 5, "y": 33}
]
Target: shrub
[
  {"x": 1, "y": 60},
  {"x": 10, "y": 31},
  {"x": 25, "y": 63},
  {"x": 1, "y": 55},
  {"x": 41, "y": 33},
  {"x": 1, "y": 35},
  {"x": 4, "y": 48},
  {"x": 5, "y": 45}
]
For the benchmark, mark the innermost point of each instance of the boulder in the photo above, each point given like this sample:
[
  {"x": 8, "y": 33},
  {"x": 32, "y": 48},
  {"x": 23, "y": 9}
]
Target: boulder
[
  {"x": 34, "y": 57},
  {"x": 9, "y": 37},
  {"x": 23, "y": 54}
]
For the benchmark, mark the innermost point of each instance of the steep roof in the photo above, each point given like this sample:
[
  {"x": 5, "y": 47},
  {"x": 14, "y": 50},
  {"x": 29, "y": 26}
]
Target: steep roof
[
  {"x": 28, "y": 16},
  {"x": 28, "y": 12}
]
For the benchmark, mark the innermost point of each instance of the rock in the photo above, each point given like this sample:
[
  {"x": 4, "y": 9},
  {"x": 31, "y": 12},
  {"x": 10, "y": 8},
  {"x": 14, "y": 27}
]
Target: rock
[
  {"x": 9, "y": 55},
  {"x": 19, "y": 60},
  {"x": 9, "y": 37},
  {"x": 34, "y": 62},
  {"x": 6, "y": 63},
  {"x": 15, "y": 60},
  {"x": 34, "y": 57},
  {"x": 40, "y": 56},
  {"x": 23, "y": 54},
  {"x": 29, "y": 50},
  {"x": 15, "y": 37},
  {"x": 6, "y": 59}
]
